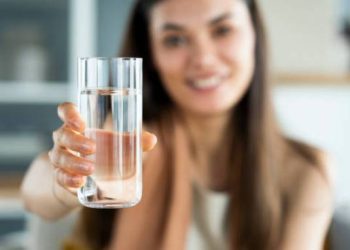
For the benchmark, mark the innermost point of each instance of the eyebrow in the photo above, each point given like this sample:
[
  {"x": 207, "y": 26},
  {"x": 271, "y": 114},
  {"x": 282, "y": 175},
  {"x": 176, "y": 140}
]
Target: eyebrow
[
  {"x": 172, "y": 26},
  {"x": 176, "y": 27},
  {"x": 220, "y": 18}
]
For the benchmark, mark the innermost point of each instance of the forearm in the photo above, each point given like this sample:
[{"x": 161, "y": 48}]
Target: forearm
[{"x": 42, "y": 195}]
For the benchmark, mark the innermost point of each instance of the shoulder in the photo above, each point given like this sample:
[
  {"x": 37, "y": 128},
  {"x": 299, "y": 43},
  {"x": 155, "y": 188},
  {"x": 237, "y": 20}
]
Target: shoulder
[
  {"x": 308, "y": 197},
  {"x": 308, "y": 178}
]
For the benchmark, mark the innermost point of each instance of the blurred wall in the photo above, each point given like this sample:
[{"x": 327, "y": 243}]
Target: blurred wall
[
  {"x": 112, "y": 18},
  {"x": 305, "y": 36},
  {"x": 320, "y": 115}
]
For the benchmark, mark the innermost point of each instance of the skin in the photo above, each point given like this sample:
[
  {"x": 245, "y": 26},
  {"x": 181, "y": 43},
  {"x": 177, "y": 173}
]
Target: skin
[
  {"x": 70, "y": 168},
  {"x": 63, "y": 163},
  {"x": 192, "y": 42}
]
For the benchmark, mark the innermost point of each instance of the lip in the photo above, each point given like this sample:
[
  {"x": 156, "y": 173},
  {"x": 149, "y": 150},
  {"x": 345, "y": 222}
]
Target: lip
[{"x": 207, "y": 82}]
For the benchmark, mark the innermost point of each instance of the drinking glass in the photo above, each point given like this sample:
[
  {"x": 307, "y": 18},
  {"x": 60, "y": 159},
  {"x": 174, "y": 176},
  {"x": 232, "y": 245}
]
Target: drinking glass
[{"x": 110, "y": 102}]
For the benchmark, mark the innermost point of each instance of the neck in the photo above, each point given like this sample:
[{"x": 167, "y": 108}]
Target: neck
[
  {"x": 207, "y": 134},
  {"x": 209, "y": 137}
]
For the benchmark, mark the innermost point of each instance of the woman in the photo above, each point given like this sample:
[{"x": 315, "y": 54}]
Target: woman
[{"x": 206, "y": 99}]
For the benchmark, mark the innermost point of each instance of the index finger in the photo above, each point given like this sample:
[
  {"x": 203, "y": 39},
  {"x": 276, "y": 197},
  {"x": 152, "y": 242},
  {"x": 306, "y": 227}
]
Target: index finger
[{"x": 69, "y": 114}]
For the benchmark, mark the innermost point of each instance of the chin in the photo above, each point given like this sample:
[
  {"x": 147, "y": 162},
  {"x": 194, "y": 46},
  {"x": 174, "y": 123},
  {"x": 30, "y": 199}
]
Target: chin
[{"x": 211, "y": 110}]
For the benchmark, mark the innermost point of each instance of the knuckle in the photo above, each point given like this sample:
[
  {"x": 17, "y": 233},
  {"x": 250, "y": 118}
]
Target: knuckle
[
  {"x": 62, "y": 178},
  {"x": 80, "y": 143},
  {"x": 72, "y": 164},
  {"x": 65, "y": 179},
  {"x": 64, "y": 135},
  {"x": 50, "y": 154},
  {"x": 72, "y": 181},
  {"x": 55, "y": 135},
  {"x": 59, "y": 157},
  {"x": 53, "y": 156},
  {"x": 69, "y": 181},
  {"x": 65, "y": 129},
  {"x": 59, "y": 177},
  {"x": 64, "y": 158},
  {"x": 83, "y": 167}
]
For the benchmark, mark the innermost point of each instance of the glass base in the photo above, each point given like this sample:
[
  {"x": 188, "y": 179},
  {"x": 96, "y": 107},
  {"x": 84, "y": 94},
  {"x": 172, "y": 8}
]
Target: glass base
[
  {"x": 109, "y": 194},
  {"x": 108, "y": 204}
]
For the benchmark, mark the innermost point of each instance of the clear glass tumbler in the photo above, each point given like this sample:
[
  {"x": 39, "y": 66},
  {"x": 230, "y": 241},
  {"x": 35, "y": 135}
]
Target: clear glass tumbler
[{"x": 110, "y": 102}]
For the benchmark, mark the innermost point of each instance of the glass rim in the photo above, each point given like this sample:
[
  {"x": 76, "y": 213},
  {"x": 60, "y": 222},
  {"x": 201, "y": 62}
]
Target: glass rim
[{"x": 106, "y": 58}]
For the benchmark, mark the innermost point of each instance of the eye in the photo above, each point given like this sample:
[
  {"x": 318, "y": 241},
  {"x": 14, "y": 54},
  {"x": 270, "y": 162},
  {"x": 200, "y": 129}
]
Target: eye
[
  {"x": 222, "y": 30},
  {"x": 173, "y": 41}
]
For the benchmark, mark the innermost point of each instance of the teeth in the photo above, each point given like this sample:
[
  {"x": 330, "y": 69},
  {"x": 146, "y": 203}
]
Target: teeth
[{"x": 207, "y": 83}]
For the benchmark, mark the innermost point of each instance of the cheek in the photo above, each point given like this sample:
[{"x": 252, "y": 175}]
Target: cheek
[
  {"x": 239, "y": 55},
  {"x": 170, "y": 64},
  {"x": 239, "y": 49}
]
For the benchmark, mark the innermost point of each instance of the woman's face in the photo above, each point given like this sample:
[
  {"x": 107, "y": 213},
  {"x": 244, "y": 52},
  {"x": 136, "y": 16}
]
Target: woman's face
[{"x": 203, "y": 51}]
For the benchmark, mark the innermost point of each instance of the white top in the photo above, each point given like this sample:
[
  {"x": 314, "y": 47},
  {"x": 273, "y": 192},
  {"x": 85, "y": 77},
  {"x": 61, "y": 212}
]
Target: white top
[{"x": 206, "y": 231}]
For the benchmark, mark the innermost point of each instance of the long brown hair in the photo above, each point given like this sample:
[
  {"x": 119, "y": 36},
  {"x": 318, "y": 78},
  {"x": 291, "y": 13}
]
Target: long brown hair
[{"x": 256, "y": 211}]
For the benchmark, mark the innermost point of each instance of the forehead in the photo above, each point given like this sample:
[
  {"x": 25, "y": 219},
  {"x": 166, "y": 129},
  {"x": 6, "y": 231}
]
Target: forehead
[{"x": 187, "y": 12}]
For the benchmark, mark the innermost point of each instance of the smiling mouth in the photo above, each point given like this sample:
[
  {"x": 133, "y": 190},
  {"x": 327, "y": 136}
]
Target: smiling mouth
[{"x": 208, "y": 83}]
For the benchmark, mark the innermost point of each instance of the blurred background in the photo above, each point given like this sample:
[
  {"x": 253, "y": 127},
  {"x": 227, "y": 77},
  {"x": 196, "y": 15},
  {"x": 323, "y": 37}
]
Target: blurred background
[{"x": 41, "y": 39}]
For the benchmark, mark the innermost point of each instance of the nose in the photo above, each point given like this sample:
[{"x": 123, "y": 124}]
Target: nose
[{"x": 203, "y": 53}]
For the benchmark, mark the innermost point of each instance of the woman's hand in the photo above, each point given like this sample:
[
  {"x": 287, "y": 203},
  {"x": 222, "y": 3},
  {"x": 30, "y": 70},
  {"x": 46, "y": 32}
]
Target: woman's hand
[{"x": 69, "y": 143}]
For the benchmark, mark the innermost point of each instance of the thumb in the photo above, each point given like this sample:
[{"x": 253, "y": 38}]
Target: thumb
[{"x": 149, "y": 140}]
